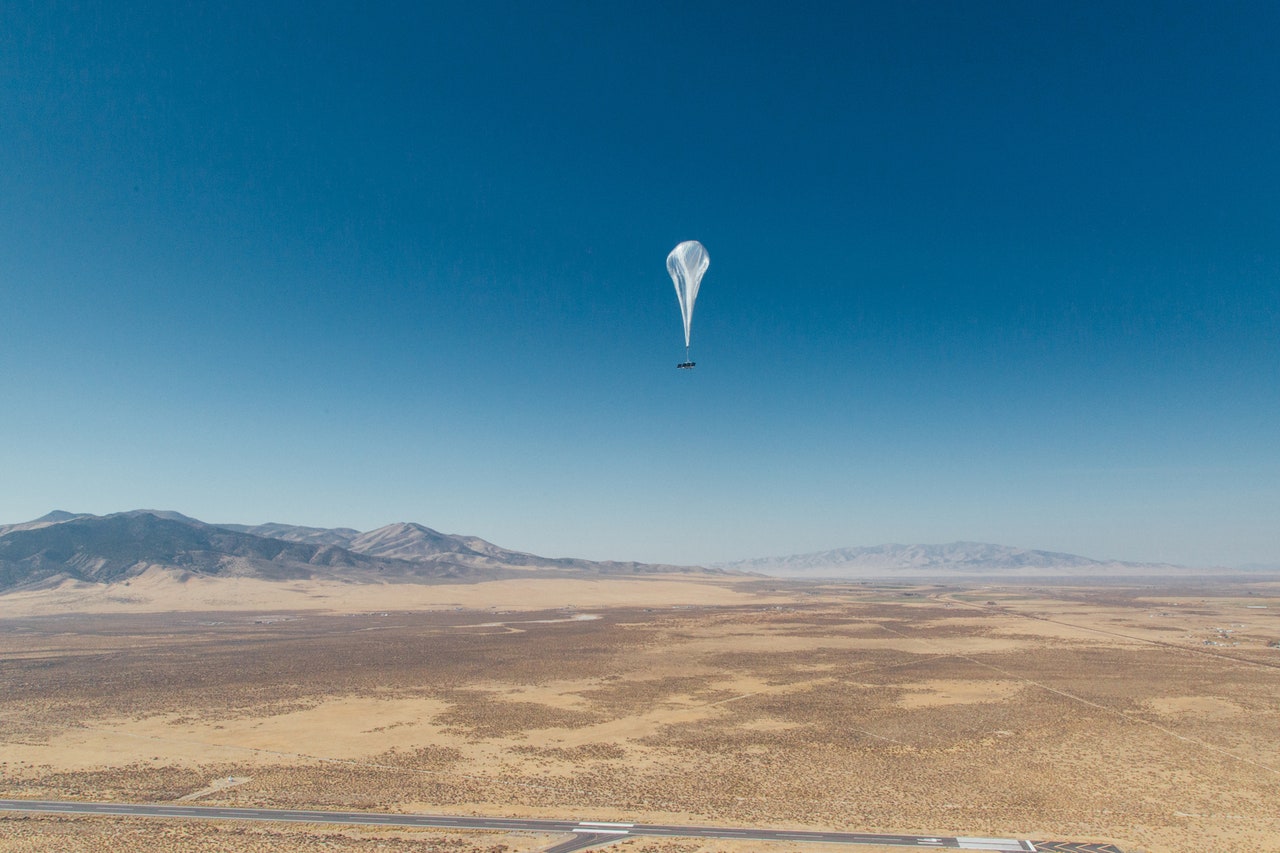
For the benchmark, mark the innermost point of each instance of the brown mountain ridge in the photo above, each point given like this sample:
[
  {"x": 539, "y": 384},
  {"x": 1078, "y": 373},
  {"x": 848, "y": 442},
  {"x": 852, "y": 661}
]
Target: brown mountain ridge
[{"x": 103, "y": 549}]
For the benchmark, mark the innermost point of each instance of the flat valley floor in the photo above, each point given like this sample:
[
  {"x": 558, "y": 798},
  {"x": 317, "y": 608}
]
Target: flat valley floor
[{"x": 1143, "y": 716}]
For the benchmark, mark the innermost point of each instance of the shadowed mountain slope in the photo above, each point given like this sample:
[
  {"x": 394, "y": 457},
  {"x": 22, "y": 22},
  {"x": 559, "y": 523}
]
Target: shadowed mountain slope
[
  {"x": 103, "y": 549},
  {"x": 340, "y": 536},
  {"x": 403, "y": 540},
  {"x": 115, "y": 547},
  {"x": 417, "y": 542}
]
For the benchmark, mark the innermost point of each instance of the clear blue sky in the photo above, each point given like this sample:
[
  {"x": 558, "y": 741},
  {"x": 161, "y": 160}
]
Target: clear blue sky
[{"x": 996, "y": 271}]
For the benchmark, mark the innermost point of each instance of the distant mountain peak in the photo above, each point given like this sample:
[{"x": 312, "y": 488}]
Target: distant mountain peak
[
  {"x": 166, "y": 514},
  {"x": 962, "y": 557},
  {"x": 409, "y": 540},
  {"x": 407, "y": 526},
  {"x": 55, "y": 516}
]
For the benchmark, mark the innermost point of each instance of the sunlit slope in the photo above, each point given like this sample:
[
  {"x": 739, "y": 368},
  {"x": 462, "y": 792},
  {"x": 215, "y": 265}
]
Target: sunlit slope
[{"x": 117, "y": 547}]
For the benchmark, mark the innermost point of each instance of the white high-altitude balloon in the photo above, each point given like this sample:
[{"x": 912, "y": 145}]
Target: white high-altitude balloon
[{"x": 686, "y": 263}]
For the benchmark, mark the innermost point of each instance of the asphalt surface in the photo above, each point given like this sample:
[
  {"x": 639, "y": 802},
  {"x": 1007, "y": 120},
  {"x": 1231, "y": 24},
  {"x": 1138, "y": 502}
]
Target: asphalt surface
[{"x": 583, "y": 834}]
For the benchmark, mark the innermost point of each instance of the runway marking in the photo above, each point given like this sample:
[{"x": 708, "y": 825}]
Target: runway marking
[
  {"x": 582, "y": 842},
  {"x": 975, "y": 843}
]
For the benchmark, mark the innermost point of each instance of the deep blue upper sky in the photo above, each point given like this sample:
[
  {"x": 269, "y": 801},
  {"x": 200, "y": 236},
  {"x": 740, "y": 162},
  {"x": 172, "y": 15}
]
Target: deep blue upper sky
[{"x": 1006, "y": 272}]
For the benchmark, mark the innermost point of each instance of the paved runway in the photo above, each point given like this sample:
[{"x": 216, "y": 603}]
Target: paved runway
[{"x": 583, "y": 834}]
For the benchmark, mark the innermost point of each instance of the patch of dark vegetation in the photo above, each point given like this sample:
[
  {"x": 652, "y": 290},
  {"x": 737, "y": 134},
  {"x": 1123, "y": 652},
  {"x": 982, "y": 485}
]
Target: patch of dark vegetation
[
  {"x": 480, "y": 715},
  {"x": 585, "y": 752}
]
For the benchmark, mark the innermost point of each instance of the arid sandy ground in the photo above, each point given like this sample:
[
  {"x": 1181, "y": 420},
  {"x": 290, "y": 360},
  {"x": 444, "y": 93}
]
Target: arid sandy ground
[
  {"x": 1146, "y": 717},
  {"x": 166, "y": 591}
]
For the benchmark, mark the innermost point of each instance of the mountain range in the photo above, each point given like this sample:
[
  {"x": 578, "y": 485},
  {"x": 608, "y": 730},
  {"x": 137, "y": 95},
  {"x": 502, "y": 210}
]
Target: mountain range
[
  {"x": 64, "y": 546},
  {"x": 103, "y": 549},
  {"x": 953, "y": 558}
]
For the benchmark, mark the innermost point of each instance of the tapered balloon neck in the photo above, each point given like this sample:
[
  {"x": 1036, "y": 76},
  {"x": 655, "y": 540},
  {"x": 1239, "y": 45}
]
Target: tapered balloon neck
[{"x": 686, "y": 264}]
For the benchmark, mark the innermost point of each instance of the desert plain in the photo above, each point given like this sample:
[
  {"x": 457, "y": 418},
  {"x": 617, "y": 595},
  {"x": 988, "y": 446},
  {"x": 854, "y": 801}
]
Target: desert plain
[{"x": 1143, "y": 715}]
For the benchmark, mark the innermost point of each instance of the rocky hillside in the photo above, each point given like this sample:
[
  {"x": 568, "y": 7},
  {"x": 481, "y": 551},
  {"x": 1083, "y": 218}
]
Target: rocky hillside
[{"x": 102, "y": 549}]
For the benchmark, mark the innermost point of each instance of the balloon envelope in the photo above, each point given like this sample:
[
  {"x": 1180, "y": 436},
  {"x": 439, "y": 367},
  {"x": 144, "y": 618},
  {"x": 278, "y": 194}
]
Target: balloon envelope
[{"x": 686, "y": 263}]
